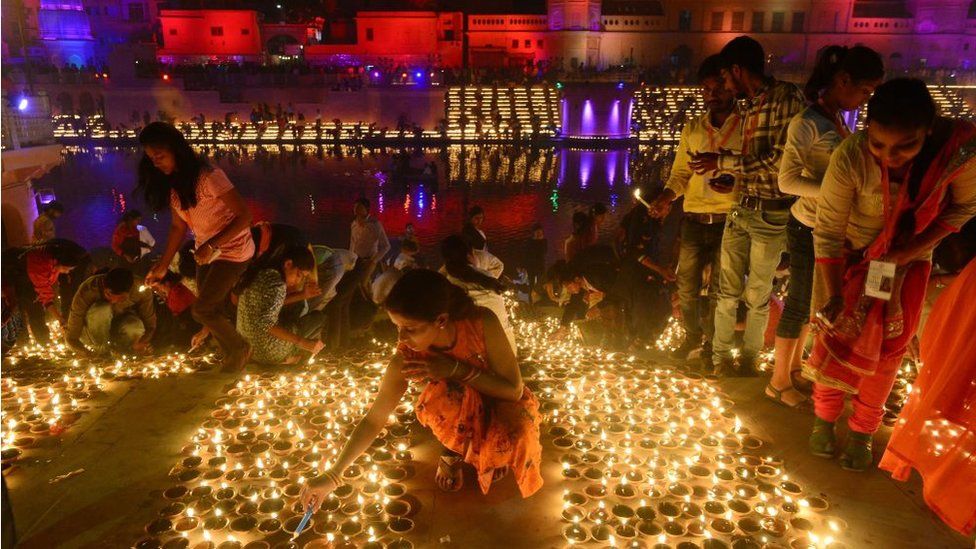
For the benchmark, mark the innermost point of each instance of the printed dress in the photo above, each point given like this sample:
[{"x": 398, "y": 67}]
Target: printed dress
[{"x": 489, "y": 433}]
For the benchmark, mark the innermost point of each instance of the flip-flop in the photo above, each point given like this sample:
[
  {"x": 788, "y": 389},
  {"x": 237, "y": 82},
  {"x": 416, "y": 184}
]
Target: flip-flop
[
  {"x": 450, "y": 466},
  {"x": 803, "y": 405}
]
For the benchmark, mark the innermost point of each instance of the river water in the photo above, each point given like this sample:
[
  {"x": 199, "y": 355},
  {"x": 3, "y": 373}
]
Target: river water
[{"x": 314, "y": 188}]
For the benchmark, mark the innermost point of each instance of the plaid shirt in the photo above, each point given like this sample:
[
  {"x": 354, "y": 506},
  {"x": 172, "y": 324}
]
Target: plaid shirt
[{"x": 765, "y": 120}]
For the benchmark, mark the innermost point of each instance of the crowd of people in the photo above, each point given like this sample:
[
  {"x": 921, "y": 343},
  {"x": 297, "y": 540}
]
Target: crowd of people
[
  {"x": 778, "y": 196},
  {"x": 768, "y": 179}
]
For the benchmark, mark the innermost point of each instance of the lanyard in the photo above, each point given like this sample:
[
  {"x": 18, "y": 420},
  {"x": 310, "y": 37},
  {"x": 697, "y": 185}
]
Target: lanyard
[
  {"x": 839, "y": 124},
  {"x": 732, "y": 122},
  {"x": 749, "y": 130}
]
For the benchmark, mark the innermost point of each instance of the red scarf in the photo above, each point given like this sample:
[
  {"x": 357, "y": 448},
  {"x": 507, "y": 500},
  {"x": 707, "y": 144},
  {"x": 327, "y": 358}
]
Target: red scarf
[{"x": 843, "y": 356}]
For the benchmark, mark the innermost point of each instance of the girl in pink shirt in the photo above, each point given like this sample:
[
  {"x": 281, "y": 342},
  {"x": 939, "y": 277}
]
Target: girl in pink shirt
[{"x": 205, "y": 202}]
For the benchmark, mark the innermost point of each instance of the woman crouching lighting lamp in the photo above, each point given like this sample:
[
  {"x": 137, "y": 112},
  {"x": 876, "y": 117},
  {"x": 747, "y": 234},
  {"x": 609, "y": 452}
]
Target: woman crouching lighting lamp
[{"x": 473, "y": 399}]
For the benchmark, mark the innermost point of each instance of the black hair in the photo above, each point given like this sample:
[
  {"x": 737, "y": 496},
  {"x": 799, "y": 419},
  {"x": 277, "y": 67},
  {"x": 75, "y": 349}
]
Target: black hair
[
  {"x": 409, "y": 246},
  {"x": 119, "y": 281},
  {"x": 711, "y": 67},
  {"x": 598, "y": 209},
  {"x": 54, "y": 206},
  {"x": 187, "y": 264},
  {"x": 363, "y": 201},
  {"x": 745, "y": 52},
  {"x": 861, "y": 63},
  {"x": 903, "y": 103},
  {"x": 300, "y": 256},
  {"x": 475, "y": 210},
  {"x": 581, "y": 223},
  {"x": 154, "y": 184},
  {"x": 131, "y": 247},
  {"x": 171, "y": 278},
  {"x": 563, "y": 272},
  {"x": 536, "y": 227},
  {"x": 130, "y": 215},
  {"x": 422, "y": 294},
  {"x": 65, "y": 252},
  {"x": 456, "y": 250}
]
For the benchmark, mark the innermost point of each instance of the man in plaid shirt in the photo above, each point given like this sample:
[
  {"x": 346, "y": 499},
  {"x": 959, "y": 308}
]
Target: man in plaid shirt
[{"x": 755, "y": 231}]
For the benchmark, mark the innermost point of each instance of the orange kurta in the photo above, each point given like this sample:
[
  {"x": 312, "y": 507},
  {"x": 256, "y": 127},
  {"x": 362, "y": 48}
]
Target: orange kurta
[
  {"x": 489, "y": 433},
  {"x": 936, "y": 433}
]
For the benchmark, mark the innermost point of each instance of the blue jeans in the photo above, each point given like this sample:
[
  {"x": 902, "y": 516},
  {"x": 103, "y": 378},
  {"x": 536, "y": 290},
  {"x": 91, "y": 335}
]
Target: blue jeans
[
  {"x": 796, "y": 311},
  {"x": 752, "y": 246}
]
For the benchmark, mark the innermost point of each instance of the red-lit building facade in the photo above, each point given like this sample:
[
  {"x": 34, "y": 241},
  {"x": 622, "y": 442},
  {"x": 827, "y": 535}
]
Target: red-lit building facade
[{"x": 568, "y": 33}]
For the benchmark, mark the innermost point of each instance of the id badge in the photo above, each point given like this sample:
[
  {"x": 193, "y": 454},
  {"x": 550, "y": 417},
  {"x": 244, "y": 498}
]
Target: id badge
[{"x": 880, "y": 280}]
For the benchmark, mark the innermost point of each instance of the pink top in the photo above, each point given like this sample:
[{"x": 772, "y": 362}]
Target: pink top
[{"x": 211, "y": 215}]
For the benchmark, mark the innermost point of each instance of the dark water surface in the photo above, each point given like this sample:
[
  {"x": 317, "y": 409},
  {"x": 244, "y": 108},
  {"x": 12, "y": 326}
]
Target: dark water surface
[{"x": 314, "y": 189}]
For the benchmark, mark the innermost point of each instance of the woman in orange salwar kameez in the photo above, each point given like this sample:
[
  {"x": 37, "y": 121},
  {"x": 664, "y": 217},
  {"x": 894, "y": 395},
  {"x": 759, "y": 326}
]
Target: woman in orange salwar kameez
[
  {"x": 473, "y": 400},
  {"x": 936, "y": 433}
]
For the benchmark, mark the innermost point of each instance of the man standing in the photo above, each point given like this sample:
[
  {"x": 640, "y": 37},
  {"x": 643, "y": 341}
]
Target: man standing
[
  {"x": 368, "y": 242},
  {"x": 755, "y": 233},
  {"x": 707, "y": 202},
  {"x": 109, "y": 309}
]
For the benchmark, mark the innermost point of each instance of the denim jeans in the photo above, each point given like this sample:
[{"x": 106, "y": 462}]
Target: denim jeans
[
  {"x": 752, "y": 245},
  {"x": 796, "y": 311},
  {"x": 104, "y": 329},
  {"x": 701, "y": 245}
]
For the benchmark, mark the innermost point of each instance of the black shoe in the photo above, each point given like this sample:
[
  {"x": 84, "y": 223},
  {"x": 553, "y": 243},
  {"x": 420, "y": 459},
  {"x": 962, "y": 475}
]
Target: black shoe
[
  {"x": 724, "y": 367},
  {"x": 747, "y": 367},
  {"x": 685, "y": 349},
  {"x": 707, "y": 364}
]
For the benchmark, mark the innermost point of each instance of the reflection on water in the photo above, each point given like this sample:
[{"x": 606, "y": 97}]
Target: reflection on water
[{"x": 314, "y": 188}]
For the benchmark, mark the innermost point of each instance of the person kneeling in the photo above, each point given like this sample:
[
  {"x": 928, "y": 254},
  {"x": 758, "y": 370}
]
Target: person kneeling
[
  {"x": 110, "y": 311},
  {"x": 472, "y": 399},
  {"x": 264, "y": 290}
]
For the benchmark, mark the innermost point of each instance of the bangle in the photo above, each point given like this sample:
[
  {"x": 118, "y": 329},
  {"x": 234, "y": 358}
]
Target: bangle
[
  {"x": 333, "y": 476},
  {"x": 471, "y": 375},
  {"x": 457, "y": 363}
]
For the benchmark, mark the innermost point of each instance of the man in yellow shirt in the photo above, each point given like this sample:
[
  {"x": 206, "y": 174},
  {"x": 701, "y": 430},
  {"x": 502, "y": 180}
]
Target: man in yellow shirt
[{"x": 708, "y": 199}]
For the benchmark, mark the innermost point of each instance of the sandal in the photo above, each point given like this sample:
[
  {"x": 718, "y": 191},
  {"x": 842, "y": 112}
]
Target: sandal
[
  {"x": 802, "y": 405},
  {"x": 800, "y": 383},
  {"x": 449, "y": 476}
]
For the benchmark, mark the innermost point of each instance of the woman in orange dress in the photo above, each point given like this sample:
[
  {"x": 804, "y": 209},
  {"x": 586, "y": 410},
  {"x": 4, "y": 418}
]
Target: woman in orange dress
[
  {"x": 936, "y": 433},
  {"x": 473, "y": 399}
]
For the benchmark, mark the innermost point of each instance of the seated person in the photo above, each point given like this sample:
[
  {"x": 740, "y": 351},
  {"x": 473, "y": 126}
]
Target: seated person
[
  {"x": 264, "y": 291},
  {"x": 407, "y": 259},
  {"x": 111, "y": 310},
  {"x": 589, "y": 282},
  {"x": 182, "y": 330}
]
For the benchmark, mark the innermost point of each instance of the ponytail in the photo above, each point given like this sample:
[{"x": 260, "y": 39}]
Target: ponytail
[{"x": 862, "y": 64}]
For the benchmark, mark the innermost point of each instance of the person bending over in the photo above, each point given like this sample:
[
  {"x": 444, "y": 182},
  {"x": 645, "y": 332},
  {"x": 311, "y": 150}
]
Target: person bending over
[{"x": 110, "y": 310}]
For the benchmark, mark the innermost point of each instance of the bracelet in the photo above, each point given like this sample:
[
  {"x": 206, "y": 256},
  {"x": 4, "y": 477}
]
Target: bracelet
[
  {"x": 333, "y": 476},
  {"x": 472, "y": 374},
  {"x": 457, "y": 363}
]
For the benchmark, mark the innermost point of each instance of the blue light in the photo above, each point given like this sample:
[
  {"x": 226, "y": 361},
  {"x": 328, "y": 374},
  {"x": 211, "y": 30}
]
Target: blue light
[
  {"x": 620, "y": 85},
  {"x": 419, "y": 75},
  {"x": 376, "y": 74},
  {"x": 22, "y": 104}
]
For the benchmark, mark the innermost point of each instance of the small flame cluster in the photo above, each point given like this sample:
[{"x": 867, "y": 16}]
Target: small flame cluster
[
  {"x": 45, "y": 389},
  {"x": 239, "y": 481}
]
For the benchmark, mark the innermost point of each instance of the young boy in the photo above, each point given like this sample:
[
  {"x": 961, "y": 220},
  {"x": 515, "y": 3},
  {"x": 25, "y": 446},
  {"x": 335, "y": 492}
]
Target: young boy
[{"x": 408, "y": 256}]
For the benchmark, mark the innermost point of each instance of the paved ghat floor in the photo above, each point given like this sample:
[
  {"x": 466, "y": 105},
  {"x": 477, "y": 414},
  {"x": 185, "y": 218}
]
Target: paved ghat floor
[{"x": 128, "y": 444}]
